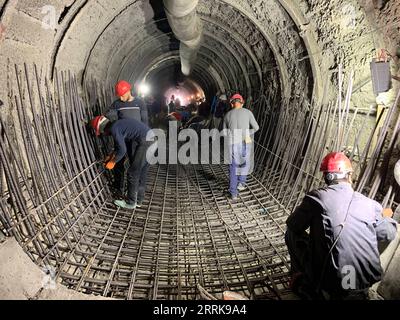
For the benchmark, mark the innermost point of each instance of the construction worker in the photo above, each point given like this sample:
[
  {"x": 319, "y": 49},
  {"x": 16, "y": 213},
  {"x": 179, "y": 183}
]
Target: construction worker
[
  {"x": 221, "y": 108},
  {"x": 339, "y": 258},
  {"x": 176, "y": 117},
  {"x": 155, "y": 107},
  {"x": 127, "y": 106},
  {"x": 237, "y": 123},
  {"x": 128, "y": 134},
  {"x": 171, "y": 105}
]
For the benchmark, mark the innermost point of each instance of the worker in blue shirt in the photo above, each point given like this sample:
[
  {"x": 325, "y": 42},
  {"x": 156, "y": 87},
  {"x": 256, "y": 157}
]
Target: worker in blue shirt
[
  {"x": 127, "y": 106},
  {"x": 338, "y": 259},
  {"x": 127, "y": 134}
]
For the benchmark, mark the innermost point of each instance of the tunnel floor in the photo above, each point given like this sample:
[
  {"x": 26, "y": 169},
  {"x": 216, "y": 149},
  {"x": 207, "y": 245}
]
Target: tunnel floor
[{"x": 186, "y": 233}]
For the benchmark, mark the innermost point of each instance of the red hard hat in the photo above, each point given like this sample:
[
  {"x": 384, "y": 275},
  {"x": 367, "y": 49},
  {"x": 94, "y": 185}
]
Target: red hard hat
[
  {"x": 95, "y": 123},
  {"x": 122, "y": 87},
  {"x": 237, "y": 96},
  {"x": 336, "y": 162},
  {"x": 176, "y": 115}
]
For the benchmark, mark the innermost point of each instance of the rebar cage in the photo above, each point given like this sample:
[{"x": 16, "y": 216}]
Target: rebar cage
[{"x": 56, "y": 202}]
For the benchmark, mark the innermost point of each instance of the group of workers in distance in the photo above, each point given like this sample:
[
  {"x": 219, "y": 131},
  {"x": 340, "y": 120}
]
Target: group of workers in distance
[{"x": 332, "y": 236}]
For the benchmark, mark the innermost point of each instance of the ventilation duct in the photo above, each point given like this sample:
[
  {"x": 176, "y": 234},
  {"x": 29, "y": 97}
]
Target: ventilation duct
[{"x": 187, "y": 28}]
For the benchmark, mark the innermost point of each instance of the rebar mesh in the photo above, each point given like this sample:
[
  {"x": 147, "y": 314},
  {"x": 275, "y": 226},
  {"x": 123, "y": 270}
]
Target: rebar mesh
[
  {"x": 59, "y": 207},
  {"x": 56, "y": 201}
]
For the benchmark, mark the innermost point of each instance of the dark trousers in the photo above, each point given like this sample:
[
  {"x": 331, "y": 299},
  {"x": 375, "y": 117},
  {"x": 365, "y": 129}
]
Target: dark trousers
[
  {"x": 298, "y": 247},
  {"x": 300, "y": 257},
  {"x": 137, "y": 172}
]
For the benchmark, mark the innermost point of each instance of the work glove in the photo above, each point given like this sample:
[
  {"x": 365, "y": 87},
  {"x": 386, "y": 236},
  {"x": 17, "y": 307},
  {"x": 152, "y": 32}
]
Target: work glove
[
  {"x": 109, "y": 162},
  {"x": 387, "y": 213},
  {"x": 248, "y": 140}
]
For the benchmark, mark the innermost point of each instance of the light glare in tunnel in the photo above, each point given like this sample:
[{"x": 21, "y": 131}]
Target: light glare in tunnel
[{"x": 144, "y": 89}]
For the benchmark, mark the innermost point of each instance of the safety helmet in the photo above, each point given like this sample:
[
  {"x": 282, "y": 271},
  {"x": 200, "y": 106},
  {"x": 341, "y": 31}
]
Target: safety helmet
[
  {"x": 97, "y": 122},
  {"x": 122, "y": 87},
  {"x": 223, "y": 97},
  {"x": 237, "y": 97},
  {"x": 336, "y": 162},
  {"x": 176, "y": 115}
]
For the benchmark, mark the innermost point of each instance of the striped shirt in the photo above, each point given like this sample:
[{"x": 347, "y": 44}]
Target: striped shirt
[{"x": 135, "y": 109}]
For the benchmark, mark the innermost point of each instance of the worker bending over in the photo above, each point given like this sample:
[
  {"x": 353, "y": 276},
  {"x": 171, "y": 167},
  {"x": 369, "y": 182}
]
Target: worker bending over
[
  {"x": 339, "y": 258},
  {"x": 237, "y": 123},
  {"x": 129, "y": 140},
  {"x": 126, "y": 107}
]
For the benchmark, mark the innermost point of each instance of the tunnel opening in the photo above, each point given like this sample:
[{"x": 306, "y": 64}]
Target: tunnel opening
[{"x": 55, "y": 197}]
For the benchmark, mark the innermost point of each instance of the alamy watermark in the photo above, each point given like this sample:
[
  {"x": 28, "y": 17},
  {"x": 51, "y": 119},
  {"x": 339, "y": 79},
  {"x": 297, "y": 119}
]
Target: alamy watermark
[
  {"x": 205, "y": 146},
  {"x": 49, "y": 278},
  {"x": 349, "y": 277},
  {"x": 49, "y": 21}
]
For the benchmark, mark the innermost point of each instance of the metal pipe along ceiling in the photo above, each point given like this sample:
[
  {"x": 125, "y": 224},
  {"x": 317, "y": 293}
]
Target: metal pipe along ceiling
[{"x": 187, "y": 28}]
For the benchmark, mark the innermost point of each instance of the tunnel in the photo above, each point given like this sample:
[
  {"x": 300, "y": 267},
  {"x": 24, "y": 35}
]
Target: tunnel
[{"x": 303, "y": 67}]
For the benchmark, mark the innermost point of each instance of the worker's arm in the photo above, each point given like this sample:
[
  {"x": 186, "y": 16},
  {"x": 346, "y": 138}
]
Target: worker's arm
[
  {"x": 225, "y": 127},
  {"x": 300, "y": 220},
  {"x": 119, "y": 145},
  {"x": 385, "y": 226},
  {"x": 144, "y": 113},
  {"x": 112, "y": 113},
  {"x": 253, "y": 123}
]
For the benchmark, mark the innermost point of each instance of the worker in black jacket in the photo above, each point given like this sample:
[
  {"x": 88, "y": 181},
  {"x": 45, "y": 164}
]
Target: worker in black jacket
[
  {"x": 127, "y": 134},
  {"x": 126, "y": 107},
  {"x": 338, "y": 259}
]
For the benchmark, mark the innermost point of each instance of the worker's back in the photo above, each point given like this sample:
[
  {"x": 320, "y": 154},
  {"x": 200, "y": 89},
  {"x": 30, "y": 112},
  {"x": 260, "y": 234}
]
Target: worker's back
[
  {"x": 129, "y": 130},
  {"x": 356, "y": 251},
  {"x": 238, "y": 122}
]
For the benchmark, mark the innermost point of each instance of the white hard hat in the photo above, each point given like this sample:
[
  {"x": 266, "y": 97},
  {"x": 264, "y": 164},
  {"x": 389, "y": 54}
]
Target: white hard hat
[{"x": 223, "y": 97}]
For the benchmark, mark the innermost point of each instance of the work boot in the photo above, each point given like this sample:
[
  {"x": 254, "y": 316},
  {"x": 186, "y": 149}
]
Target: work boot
[
  {"x": 124, "y": 204},
  {"x": 139, "y": 203},
  {"x": 295, "y": 280},
  {"x": 232, "y": 197},
  {"x": 241, "y": 187}
]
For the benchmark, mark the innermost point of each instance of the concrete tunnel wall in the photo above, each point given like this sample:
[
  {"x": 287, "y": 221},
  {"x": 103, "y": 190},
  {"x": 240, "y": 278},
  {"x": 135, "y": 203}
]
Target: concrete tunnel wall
[
  {"x": 272, "y": 48},
  {"x": 265, "y": 44}
]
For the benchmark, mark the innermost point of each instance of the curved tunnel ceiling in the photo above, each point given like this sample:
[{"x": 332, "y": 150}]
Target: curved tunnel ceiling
[
  {"x": 278, "y": 48},
  {"x": 235, "y": 45}
]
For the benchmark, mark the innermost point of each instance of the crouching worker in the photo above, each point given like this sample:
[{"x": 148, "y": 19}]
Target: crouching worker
[
  {"x": 338, "y": 259},
  {"x": 129, "y": 140}
]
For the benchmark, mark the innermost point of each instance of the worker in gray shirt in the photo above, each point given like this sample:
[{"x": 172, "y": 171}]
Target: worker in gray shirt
[
  {"x": 339, "y": 258},
  {"x": 239, "y": 126}
]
